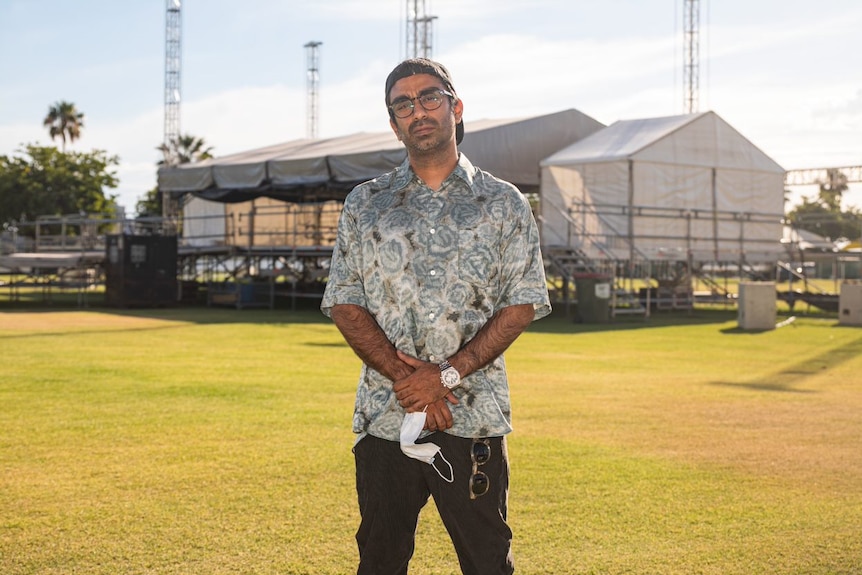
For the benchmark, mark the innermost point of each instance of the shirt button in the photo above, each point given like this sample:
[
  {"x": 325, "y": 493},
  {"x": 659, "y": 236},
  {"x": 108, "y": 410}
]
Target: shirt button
[
  {"x": 433, "y": 272},
  {"x": 433, "y": 231},
  {"x": 432, "y": 358},
  {"x": 431, "y": 316}
]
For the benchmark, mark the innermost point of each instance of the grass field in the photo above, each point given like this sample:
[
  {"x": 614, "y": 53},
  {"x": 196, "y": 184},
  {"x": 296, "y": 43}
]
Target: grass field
[{"x": 207, "y": 441}]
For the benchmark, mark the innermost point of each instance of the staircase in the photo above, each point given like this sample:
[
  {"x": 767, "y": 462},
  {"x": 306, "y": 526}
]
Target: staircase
[{"x": 569, "y": 263}]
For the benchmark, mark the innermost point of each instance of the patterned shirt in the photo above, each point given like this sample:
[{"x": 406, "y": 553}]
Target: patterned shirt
[{"x": 432, "y": 267}]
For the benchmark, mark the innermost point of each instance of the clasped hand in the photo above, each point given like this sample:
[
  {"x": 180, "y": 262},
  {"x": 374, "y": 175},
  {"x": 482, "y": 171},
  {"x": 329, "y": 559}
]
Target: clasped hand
[{"x": 422, "y": 390}]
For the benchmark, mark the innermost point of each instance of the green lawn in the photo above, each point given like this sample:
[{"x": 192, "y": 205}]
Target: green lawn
[{"x": 208, "y": 441}]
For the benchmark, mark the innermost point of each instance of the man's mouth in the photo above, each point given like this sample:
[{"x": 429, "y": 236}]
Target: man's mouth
[{"x": 422, "y": 129}]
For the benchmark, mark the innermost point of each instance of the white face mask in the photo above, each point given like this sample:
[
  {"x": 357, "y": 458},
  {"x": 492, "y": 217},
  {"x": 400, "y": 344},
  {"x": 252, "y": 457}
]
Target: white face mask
[{"x": 411, "y": 427}]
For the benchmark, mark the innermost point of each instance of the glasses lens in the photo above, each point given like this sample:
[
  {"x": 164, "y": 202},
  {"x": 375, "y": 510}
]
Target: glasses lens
[
  {"x": 402, "y": 108},
  {"x": 431, "y": 101},
  {"x": 481, "y": 452},
  {"x": 478, "y": 485}
]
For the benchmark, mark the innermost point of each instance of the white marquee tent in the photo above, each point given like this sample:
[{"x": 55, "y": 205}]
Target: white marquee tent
[
  {"x": 664, "y": 188},
  {"x": 275, "y": 182},
  {"x": 310, "y": 170}
]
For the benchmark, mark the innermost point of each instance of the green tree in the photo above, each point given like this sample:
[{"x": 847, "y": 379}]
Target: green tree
[
  {"x": 823, "y": 215},
  {"x": 184, "y": 149},
  {"x": 42, "y": 180},
  {"x": 150, "y": 205},
  {"x": 832, "y": 190},
  {"x": 64, "y": 121}
]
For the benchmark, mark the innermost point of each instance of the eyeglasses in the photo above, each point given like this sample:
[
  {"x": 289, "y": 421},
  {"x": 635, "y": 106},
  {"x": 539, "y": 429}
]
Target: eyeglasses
[
  {"x": 403, "y": 107},
  {"x": 479, "y": 454}
]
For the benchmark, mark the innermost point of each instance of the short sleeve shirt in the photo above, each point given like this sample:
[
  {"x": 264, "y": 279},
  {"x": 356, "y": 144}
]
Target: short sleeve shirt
[{"x": 432, "y": 267}]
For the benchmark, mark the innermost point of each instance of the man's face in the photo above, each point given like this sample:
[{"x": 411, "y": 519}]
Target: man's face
[{"x": 424, "y": 130}]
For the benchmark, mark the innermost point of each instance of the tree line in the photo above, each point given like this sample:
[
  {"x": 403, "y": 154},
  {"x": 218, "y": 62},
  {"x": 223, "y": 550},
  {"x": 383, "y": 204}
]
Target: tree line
[
  {"x": 823, "y": 214},
  {"x": 44, "y": 180}
]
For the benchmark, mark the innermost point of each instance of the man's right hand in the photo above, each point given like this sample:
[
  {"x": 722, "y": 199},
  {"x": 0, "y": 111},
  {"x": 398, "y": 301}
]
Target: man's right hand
[
  {"x": 438, "y": 416},
  {"x": 423, "y": 389}
]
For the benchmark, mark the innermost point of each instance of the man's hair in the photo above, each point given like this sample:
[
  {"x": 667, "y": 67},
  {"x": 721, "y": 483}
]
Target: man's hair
[{"x": 415, "y": 66}]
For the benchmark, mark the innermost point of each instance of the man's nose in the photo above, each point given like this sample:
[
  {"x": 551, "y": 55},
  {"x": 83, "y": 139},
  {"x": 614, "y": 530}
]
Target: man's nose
[{"x": 419, "y": 111}]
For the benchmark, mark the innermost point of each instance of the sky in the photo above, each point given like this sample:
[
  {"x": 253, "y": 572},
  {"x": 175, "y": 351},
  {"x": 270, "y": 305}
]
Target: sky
[{"x": 787, "y": 74}]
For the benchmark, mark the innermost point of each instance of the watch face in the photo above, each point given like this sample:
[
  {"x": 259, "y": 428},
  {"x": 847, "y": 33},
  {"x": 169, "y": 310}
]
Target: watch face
[{"x": 450, "y": 378}]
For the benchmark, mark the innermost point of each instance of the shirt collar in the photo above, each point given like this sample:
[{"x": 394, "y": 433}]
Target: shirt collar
[{"x": 464, "y": 170}]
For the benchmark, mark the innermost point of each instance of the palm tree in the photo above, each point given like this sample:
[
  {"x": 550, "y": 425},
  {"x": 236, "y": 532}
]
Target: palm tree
[
  {"x": 184, "y": 149},
  {"x": 65, "y": 121},
  {"x": 832, "y": 190}
]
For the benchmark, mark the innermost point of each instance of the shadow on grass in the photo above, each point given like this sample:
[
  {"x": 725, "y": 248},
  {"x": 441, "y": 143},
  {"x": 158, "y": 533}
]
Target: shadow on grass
[
  {"x": 787, "y": 379},
  {"x": 65, "y": 332},
  {"x": 307, "y": 311},
  {"x": 304, "y": 312},
  {"x": 558, "y": 323}
]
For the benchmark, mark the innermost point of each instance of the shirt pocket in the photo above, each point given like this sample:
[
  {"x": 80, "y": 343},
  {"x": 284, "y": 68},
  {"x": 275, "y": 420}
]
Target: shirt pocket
[{"x": 478, "y": 260}]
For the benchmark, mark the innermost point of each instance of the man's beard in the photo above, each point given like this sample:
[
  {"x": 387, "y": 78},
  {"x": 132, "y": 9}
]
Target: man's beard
[{"x": 438, "y": 138}]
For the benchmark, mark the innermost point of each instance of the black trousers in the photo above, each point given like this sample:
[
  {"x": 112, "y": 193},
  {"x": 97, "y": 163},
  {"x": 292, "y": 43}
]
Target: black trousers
[{"x": 392, "y": 489}]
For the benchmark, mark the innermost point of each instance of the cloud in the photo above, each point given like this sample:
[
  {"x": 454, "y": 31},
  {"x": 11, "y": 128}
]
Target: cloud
[
  {"x": 14, "y": 136},
  {"x": 507, "y": 75},
  {"x": 356, "y": 10},
  {"x": 390, "y": 10},
  {"x": 843, "y": 110},
  {"x": 244, "y": 118}
]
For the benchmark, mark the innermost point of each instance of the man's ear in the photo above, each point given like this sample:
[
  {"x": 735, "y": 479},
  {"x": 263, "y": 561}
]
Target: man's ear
[
  {"x": 458, "y": 110},
  {"x": 394, "y": 127}
]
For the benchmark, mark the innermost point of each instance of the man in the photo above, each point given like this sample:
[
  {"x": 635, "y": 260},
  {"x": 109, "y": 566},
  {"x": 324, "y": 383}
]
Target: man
[{"x": 436, "y": 271}]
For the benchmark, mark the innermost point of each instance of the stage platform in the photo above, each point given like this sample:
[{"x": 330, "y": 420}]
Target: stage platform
[{"x": 30, "y": 262}]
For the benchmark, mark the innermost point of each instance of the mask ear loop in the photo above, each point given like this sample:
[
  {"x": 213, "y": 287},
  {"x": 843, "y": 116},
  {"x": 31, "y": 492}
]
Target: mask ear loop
[{"x": 451, "y": 477}]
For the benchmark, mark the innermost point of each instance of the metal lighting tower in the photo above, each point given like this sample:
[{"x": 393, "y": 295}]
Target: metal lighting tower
[
  {"x": 420, "y": 30},
  {"x": 312, "y": 81},
  {"x": 170, "y": 203},
  {"x": 173, "y": 60},
  {"x": 691, "y": 65}
]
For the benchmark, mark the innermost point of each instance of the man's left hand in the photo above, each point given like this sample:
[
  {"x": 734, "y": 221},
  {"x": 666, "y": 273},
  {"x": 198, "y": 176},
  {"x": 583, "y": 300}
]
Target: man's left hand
[{"x": 423, "y": 390}]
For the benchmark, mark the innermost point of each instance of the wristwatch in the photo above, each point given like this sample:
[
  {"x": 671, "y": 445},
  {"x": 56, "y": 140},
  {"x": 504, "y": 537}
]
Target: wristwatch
[{"x": 449, "y": 376}]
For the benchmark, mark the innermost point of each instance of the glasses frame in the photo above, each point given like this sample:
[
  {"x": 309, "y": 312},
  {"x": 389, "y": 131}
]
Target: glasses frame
[
  {"x": 482, "y": 477},
  {"x": 418, "y": 98}
]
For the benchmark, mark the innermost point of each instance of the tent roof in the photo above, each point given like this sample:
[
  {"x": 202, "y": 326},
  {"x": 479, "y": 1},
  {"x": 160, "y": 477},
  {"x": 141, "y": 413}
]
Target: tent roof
[
  {"x": 306, "y": 169},
  {"x": 694, "y": 139},
  {"x": 806, "y": 240}
]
